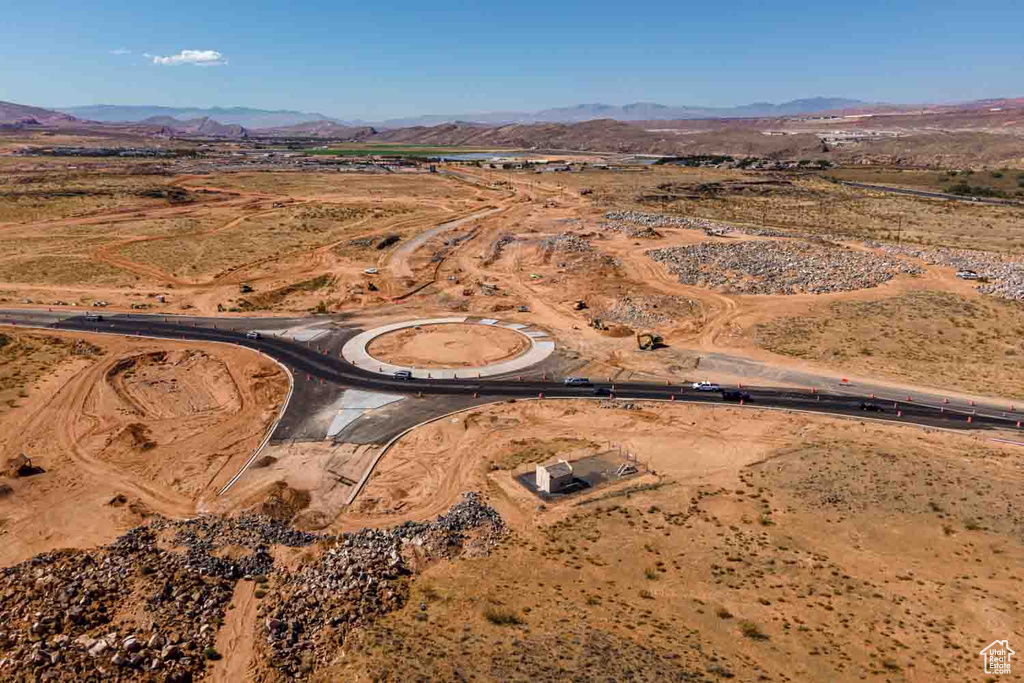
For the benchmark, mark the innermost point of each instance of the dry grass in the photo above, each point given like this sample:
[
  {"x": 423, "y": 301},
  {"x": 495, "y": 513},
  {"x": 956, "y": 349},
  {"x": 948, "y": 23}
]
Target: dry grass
[
  {"x": 857, "y": 563},
  {"x": 931, "y": 337},
  {"x": 812, "y": 204},
  {"x": 27, "y": 357}
]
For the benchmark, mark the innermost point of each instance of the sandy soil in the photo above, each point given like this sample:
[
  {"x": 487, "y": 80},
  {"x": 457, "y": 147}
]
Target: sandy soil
[
  {"x": 448, "y": 346},
  {"x": 135, "y": 428},
  {"x": 765, "y": 544}
]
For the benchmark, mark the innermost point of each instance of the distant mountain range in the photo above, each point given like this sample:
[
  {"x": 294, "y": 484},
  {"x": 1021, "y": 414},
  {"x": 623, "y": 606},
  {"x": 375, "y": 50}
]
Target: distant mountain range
[
  {"x": 638, "y": 111},
  {"x": 234, "y": 116}
]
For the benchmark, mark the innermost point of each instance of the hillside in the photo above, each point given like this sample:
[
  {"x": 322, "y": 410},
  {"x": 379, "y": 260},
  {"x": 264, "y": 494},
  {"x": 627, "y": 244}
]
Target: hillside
[
  {"x": 24, "y": 114},
  {"x": 240, "y": 116},
  {"x": 202, "y": 126},
  {"x": 318, "y": 129}
]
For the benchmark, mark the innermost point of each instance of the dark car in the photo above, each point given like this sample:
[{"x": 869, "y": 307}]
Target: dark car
[
  {"x": 403, "y": 375},
  {"x": 93, "y": 318},
  {"x": 871, "y": 408},
  {"x": 602, "y": 391},
  {"x": 735, "y": 395}
]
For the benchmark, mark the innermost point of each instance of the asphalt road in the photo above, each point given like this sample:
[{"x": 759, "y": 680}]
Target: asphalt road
[
  {"x": 932, "y": 195},
  {"x": 309, "y": 363}
]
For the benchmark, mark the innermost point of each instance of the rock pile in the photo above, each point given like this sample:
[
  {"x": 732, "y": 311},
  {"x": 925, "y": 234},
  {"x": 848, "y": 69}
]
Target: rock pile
[
  {"x": 566, "y": 241},
  {"x": 636, "y": 310},
  {"x": 149, "y": 605},
  {"x": 497, "y": 246},
  {"x": 655, "y": 220},
  {"x": 779, "y": 267},
  {"x": 631, "y": 231},
  {"x": 358, "y": 579},
  {"x": 1004, "y": 275}
]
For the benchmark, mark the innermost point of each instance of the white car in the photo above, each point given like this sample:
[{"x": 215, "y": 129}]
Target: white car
[
  {"x": 707, "y": 386},
  {"x": 577, "y": 382},
  {"x": 371, "y": 271},
  {"x": 252, "y": 335}
]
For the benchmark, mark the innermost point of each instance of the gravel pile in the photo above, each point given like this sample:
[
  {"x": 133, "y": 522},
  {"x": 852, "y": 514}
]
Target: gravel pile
[
  {"x": 778, "y": 267},
  {"x": 636, "y": 310},
  {"x": 1005, "y": 275},
  {"x": 149, "y": 605},
  {"x": 567, "y": 242},
  {"x": 656, "y": 220},
  {"x": 497, "y": 246},
  {"x": 631, "y": 231}
]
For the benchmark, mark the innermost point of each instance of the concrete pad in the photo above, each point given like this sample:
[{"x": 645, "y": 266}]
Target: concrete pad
[
  {"x": 307, "y": 335},
  {"x": 353, "y": 404},
  {"x": 488, "y": 321},
  {"x": 343, "y": 419},
  {"x": 366, "y": 400}
]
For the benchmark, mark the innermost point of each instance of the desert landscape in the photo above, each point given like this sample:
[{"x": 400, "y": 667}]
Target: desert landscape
[{"x": 675, "y": 400}]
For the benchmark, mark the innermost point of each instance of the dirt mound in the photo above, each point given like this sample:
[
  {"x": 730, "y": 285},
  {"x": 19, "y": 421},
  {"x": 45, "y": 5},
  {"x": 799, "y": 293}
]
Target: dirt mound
[
  {"x": 174, "y": 384},
  {"x": 157, "y": 425},
  {"x": 282, "y": 502}
]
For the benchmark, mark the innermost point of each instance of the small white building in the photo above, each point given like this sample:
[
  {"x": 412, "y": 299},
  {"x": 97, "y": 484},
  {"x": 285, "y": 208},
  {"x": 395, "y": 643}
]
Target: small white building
[{"x": 554, "y": 478}]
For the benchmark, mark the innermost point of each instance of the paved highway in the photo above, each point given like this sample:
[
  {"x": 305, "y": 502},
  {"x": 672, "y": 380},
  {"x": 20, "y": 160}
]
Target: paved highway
[
  {"x": 932, "y": 195},
  {"x": 306, "y": 360}
]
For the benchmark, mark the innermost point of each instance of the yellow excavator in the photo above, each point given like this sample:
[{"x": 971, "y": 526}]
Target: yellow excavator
[{"x": 648, "y": 341}]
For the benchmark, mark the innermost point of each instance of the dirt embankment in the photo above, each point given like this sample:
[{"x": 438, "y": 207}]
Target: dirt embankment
[{"x": 131, "y": 429}]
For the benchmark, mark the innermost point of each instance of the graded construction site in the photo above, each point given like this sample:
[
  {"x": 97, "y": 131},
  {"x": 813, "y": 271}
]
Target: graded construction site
[{"x": 203, "y": 481}]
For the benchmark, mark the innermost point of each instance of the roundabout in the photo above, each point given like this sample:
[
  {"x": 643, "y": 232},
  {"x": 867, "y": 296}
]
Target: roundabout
[{"x": 449, "y": 348}]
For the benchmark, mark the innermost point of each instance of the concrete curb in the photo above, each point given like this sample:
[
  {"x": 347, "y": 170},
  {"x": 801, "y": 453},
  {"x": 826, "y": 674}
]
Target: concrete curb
[{"x": 541, "y": 346}]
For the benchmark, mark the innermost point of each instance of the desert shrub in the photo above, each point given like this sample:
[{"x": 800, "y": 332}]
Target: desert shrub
[
  {"x": 751, "y": 630},
  {"x": 502, "y": 617}
]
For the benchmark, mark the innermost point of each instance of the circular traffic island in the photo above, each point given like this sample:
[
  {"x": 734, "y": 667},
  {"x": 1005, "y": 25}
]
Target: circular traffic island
[
  {"x": 449, "y": 348},
  {"x": 453, "y": 345}
]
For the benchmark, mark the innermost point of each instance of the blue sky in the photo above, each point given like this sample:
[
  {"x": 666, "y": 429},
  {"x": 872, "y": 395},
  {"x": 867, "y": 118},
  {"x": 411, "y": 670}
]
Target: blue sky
[{"x": 371, "y": 61}]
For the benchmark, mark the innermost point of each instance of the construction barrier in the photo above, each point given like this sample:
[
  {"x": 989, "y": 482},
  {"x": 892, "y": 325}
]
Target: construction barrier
[
  {"x": 899, "y": 413},
  {"x": 672, "y": 398},
  {"x": 968, "y": 419},
  {"x": 540, "y": 395}
]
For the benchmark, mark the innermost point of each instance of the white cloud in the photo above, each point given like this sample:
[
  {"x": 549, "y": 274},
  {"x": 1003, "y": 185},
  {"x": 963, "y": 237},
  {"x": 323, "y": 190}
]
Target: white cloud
[
  {"x": 194, "y": 57},
  {"x": 120, "y": 51}
]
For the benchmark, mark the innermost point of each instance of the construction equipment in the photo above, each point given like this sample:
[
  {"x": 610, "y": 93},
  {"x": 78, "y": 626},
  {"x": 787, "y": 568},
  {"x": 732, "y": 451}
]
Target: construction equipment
[{"x": 647, "y": 341}]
